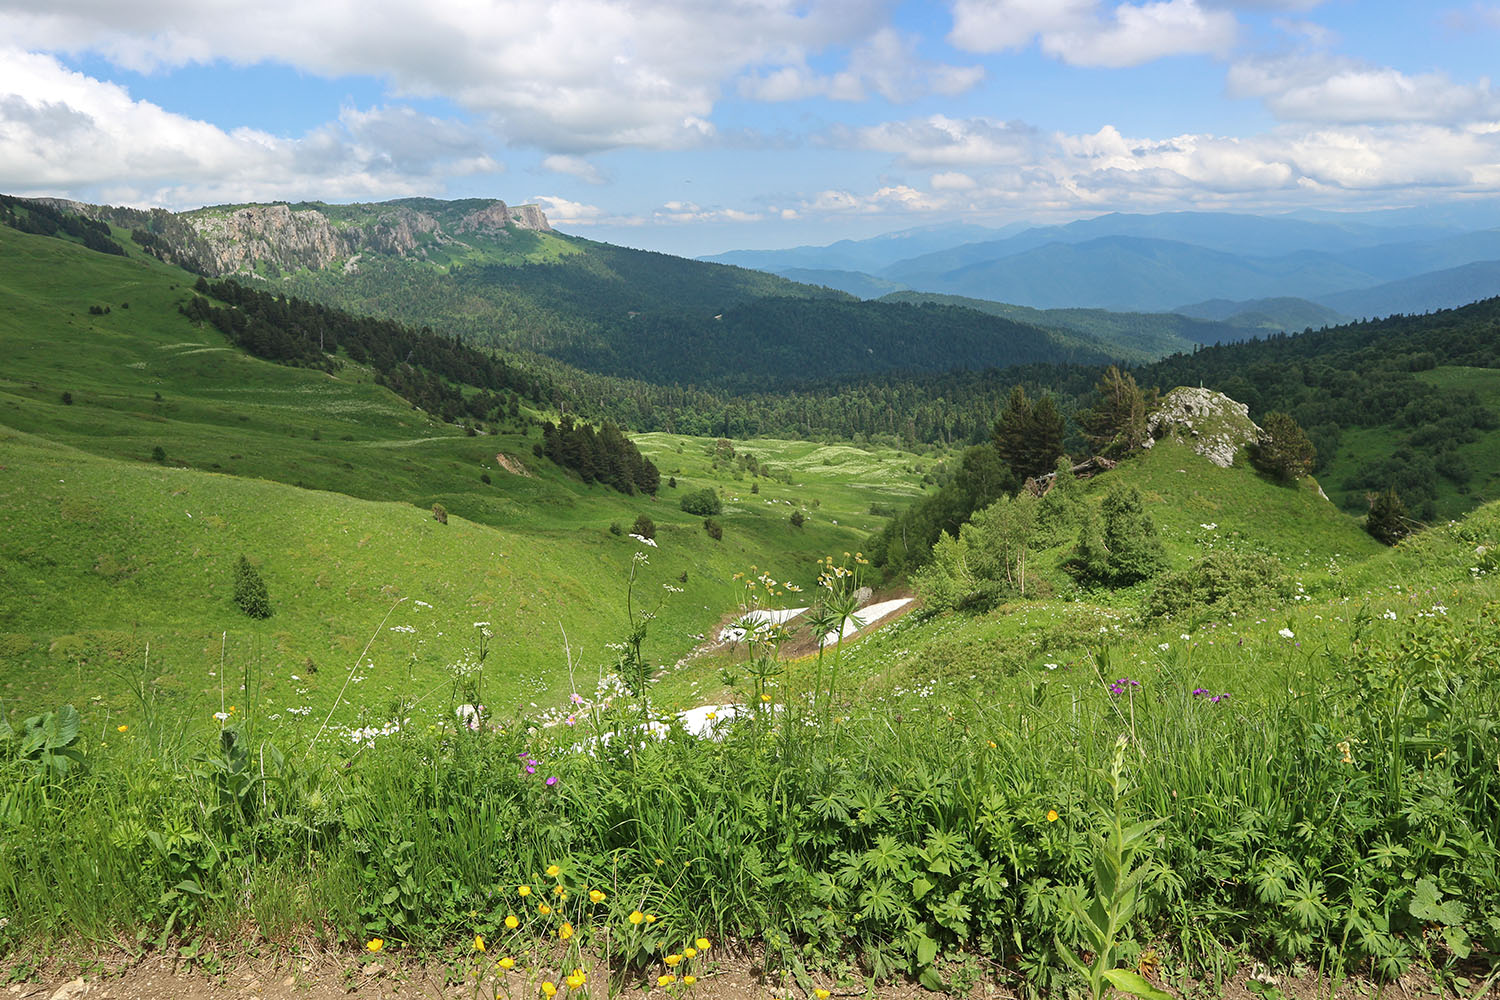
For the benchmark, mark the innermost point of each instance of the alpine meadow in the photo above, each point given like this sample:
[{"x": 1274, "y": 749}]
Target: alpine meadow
[{"x": 883, "y": 525}]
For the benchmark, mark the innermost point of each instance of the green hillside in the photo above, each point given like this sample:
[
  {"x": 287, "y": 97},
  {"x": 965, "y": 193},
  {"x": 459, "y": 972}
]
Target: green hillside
[{"x": 108, "y": 548}]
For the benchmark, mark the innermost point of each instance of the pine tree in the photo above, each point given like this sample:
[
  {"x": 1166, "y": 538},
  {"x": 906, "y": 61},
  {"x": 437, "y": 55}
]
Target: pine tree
[
  {"x": 250, "y": 590},
  {"x": 1029, "y": 436},
  {"x": 1117, "y": 423},
  {"x": 1388, "y": 520},
  {"x": 1283, "y": 449}
]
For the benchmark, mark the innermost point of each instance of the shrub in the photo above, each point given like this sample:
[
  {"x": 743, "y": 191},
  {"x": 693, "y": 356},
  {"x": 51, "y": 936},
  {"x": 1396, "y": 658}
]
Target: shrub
[
  {"x": 440, "y": 513},
  {"x": 250, "y": 590},
  {"x": 644, "y": 526},
  {"x": 672, "y": 482},
  {"x": 704, "y": 503},
  {"x": 67, "y": 399},
  {"x": 1388, "y": 520},
  {"x": 1221, "y": 581},
  {"x": 484, "y": 477},
  {"x": 615, "y": 529},
  {"x": 1283, "y": 449},
  {"x": 798, "y": 519},
  {"x": 158, "y": 454},
  {"x": 714, "y": 528}
]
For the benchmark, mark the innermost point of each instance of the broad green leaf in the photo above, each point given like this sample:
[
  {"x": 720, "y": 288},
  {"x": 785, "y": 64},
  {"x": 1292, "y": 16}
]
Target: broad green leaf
[
  {"x": 1135, "y": 984},
  {"x": 930, "y": 979}
]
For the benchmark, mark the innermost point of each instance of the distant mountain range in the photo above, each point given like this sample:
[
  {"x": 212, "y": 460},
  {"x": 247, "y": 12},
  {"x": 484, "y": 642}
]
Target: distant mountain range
[{"x": 1363, "y": 265}]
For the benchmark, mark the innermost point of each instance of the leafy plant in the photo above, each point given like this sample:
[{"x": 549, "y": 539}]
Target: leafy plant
[
  {"x": 48, "y": 742},
  {"x": 250, "y": 591}
]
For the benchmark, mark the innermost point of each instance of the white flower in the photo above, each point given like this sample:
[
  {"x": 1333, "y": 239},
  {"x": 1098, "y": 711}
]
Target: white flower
[
  {"x": 1164, "y": 646},
  {"x": 1287, "y": 633},
  {"x": 221, "y": 716},
  {"x": 1389, "y": 614},
  {"x": 481, "y": 624}
]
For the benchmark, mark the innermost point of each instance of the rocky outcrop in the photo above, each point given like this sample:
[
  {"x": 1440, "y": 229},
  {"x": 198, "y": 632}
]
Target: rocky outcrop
[
  {"x": 1214, "y": 425},
  {"x": 257, "y": 238}
]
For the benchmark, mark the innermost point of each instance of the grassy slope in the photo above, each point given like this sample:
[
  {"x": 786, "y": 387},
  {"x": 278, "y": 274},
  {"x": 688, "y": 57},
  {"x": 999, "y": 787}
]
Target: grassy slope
[
  {"x": 108, "y": 558},
  {"x": 1361, "y": 445}
]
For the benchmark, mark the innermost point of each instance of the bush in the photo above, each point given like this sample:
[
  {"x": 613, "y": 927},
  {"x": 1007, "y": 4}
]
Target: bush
[
  {"x": 440, "y": 513},
  {"x": 714, "y": 528},
  {"x": 1283, "y": 449},
  {"x": 484, "y": 477},
  {"x": 67, "y": 399},
  {"x": 644, "y": 526},
  {"x": 1221, "y": 581},
  {"x": 1388, "y": 520},
  {"x": 158, "y": 454},
  {"x": 704, "y": 503},
  {"x": 615, "y": 529},
  {"x": 671, "y": 482},
  {"x": 250, "y": 590},
  {"x": 798, "y": 519}
]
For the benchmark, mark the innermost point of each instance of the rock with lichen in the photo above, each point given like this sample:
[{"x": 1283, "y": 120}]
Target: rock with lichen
[{"x": 1209, "y": 422}]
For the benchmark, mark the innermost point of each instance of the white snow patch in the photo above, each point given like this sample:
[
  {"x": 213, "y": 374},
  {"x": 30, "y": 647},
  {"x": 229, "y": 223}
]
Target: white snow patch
[
  {"x": 866, "y": 616},
  {"x": 735, "y": 632}
]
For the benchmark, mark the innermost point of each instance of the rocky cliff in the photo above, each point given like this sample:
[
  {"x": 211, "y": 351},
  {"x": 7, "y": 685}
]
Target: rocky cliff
[{"x": 258, "y": 238}]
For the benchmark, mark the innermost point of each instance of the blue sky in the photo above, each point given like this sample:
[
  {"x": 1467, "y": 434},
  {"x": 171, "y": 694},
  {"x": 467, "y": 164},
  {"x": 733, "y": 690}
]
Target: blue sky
[{"x": 695, "y": 126}]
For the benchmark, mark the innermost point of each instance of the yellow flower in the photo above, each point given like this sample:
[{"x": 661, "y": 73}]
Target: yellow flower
[
  {"x": 595, "y": 896},
  {"x": 558, "y": 890},
  {"x": 577, "y": 979},
  {"x": 821, "y": 994},
  {"x": 524, "y": 891},
  {"x": 543, "y": 909},
  {"x": 689, "y": 980},
  {"x": 672, "y": 960},
  {"x": 765, "y": 697},
  {"x": 507, "y": 963},
  {"x": 636, "y": 916},
  {"x": 650, "y": 918},
  {"x": 374, "y": 944},
  {"x": 666, "y": 980},
  {"x": 479, "y": 942},
  {"x": 689, "y": 951},
  {"x": 549, "y": 988},
  {"x": 552, "y": 871},
  {"x": 701, "y": 944},
  {"x": 565, "y": 931},
  {"x": 512, "y": 921},
  {"x": 659, "y": 862},
  {"x": 1051, "y": 815},
  {"x": 993, "y": 744}
]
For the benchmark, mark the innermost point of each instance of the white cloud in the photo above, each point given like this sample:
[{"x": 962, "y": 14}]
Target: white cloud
[
  {"x": 952, "y": 180},
  {"x": 62, "y": 130},
  {"x": 687, "y": 211},
  {"x": 1322, "y": 88},
  {"x": 575, "y": 166},
  {"x": 887, "y": 64},
  {"x": 569, "y": 76},
  {"x": 1079, "y": 33},
  {"x": 564, "y": 213}
]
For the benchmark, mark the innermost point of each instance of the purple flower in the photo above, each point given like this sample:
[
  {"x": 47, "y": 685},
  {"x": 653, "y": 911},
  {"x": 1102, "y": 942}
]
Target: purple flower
[
  {"x": 552, "y": 781},
  {"x": 1200, "y": 692},
  {"x": 531, "y": 769}
]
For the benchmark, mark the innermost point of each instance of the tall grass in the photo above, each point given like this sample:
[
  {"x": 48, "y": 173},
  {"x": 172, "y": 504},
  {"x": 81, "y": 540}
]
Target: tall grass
[{"x": 1343, "y": 813}]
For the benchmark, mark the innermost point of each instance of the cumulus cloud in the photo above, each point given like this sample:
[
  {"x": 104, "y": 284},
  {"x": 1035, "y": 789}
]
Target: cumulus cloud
[
  {"x": 1322, "y": 88},
  {"x": 564, "y": 213},
  {"x": 569, "y": 76},
  {"x": 1080, "y": 33},
  {"x": 575, "y": 166},
  {"x": 1008, "y": 166},
  {"x": 63, "y": 130},
  {"x": 887, "y": 64}
]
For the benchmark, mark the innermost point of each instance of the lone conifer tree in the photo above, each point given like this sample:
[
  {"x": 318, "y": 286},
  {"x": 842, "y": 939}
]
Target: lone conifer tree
[{"x": 250, "y": 590}]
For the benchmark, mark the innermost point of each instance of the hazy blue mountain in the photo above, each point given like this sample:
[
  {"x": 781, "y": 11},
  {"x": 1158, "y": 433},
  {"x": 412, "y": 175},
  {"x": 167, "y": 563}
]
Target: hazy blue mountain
[
  {"x": 1445, "y": 289},
  {"x": 866, "y": 286},
  {"x": 1391, "y": 261},
  {"x": 1133, "y": 274},
  {"x": 863, "y": 255},
  {"x": 1280, "y": 313}
]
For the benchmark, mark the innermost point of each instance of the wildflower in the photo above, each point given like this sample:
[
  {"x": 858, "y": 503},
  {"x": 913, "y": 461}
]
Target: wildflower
[
  {"x": 479, "y": 942},
  {"x": 672, "y": 960},
  {"x": 993, "y": 745},
  {"x": 595, "y": 896},
  {"x": 374, "y": 945},
  {"x": 576, "y": 979},
  {"x": 552, "y": 871},
  {"x": 512, "y": 921},
  {"x": 552, "y": 781},
  {"x": 558, "y": 890},
  {"x": 565, "y": 931},
  {"x": 821, "y": 994},
  {"x": 666, "y": 980},
  {"x": 122, "y": 729},
  {"x": 1051, "y": 815},
  {"x": 507, "y": 963},
  {"x": 765, "y": 698},
  {"x": 689, "y": 980},
  {"x": 549, "y": 988},
  {"x": 636, "y": 916},
  {"x": 689, "y": 951},
  {"x": 543, "y": 909},
  {"x": 221, "y": 716},
  {"x": 701, "y": 944},
  {"x": 1286, "y": 633},
  {"x": 1343, "y": 746},
  {"x": 650, "y": 918}
]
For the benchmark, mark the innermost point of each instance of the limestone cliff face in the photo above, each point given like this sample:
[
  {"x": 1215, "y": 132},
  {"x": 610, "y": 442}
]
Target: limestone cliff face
[
  {"x": 1214, "y": 425},
  {"x": 261, "y": 237}
]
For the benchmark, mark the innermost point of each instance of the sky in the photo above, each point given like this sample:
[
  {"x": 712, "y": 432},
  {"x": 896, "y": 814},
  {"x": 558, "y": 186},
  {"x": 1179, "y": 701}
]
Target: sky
[{"x": 698, "y": 126}]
